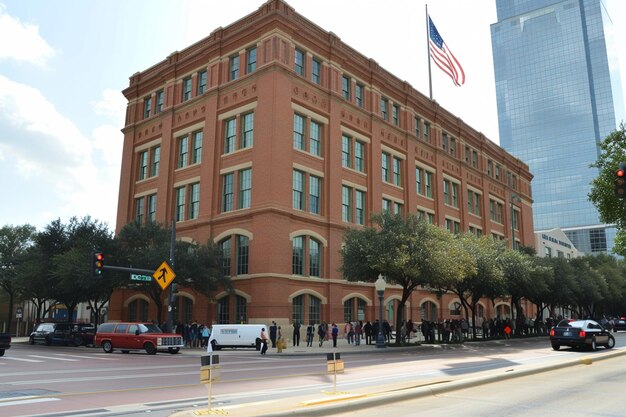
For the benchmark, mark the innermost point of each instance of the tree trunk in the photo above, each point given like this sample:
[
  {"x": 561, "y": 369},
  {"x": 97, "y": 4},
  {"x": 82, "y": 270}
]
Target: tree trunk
[{"x": 10, "y": 316}]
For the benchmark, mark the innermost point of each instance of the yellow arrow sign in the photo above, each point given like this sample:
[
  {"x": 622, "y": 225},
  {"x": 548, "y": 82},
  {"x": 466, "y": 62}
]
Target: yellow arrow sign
[{"x": 164, "y": 275}]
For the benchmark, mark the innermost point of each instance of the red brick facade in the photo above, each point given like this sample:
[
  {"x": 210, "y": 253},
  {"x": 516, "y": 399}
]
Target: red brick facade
[{"x": 241, "y": 181}]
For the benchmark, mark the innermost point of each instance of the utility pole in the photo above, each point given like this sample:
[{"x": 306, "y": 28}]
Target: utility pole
[{"x": 170, "y": 307}]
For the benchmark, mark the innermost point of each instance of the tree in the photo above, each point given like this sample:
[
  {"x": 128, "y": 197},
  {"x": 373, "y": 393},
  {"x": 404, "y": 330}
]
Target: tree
[
  {"x": 517, "y": 268},
  {"x": 14, "y": 242},
  {"x": 602, "y": 194},
  {"x": 408, "y": 252}
]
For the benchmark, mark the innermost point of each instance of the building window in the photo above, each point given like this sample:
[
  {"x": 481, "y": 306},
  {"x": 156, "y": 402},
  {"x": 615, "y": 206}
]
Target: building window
[
  {"x": 314, "y": 137},
  {"x": 230, "y": 139},
  {"x": 452, "y": 226},
  {"x": 385, "y": 167},
  {"x": 515, "y": 219},
  {"x": 225, "y": 248},
  {"x": 397, "y": 208},
  {"x": 345, "y": 87},
  {"x": 475, "y": 159},
  {"x": 315, "y": 308},
  {"x": 548, "y": 252},
  {"x": 497, "y": 172},
  {"x": 424, "y": 182},
  {"x": 228, "y": 192},
  {"x": 426, "y": 216},
  {"x": 297, "y": 257},
  {"x": 297, "y": 309},
  {"x": 147, "y": 107},
  {"x": 359, "y": 217},
  {"x": 444, "y": 141},
  {"x": 139, "y": 210},
  {"x": 251, "y": 60},
  {"x": 359, "y": 155},
  {"x": 183, "y": 151},
  {"x": 299, "y": 62},
  {"x": 416, "y": 121},
  {"x": 152, "y": 200},
  {"x": 359, "y": 92},
  {"x": 314, "y": 194},
  {"x": 467, "y": 154},
  {"x": 346, "y": 157},
  {"x": 452, "y": 147},
  {"x": 450, "y": 193},
  {"x": 395, "y": 115},
  {"x": 298, "y": 190},
  {"x": 490, "y": 168},
  {"x": 233, "y": 71},
  {"x": 180, "y": 204},
  {"x": 242, "y": 254},
  {"x": 241, "y": 309},
  {"x": 383, "y": 108},
  {"x": 202, "y": 79},
  {"x": 298, "y": 132},
  {"x": 160, "y": 98},
  {"x": 186, "y": 88},
  {"x": 473, "y": 202},
  {"x": 346, "y": 204},
  {"x": 495, "y": 211},
  {"x": 247, "y": 130},
  {"x": 156, "y": 160},
  {"x": 426, "y": 132},
  {"x": 455, "y": 309},
  {"x": 316, "y": 71},
  {"x": 194, "y": 200},
  {"x": 245, "y": 188},
  {"x": 223, "y": 316},
  {"x": 396, "y": 172},
  {"x": 300, "y": 244},
  {"x": 143, "y": 165},
  {"x": 196, "y": 139}
]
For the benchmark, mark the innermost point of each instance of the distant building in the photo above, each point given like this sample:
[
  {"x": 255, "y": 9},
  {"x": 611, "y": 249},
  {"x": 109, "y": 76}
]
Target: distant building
[
  {"x": 558, "y": 95},
  {"x": 555, "y": 244},
  {"x": 271, "y": 137}
]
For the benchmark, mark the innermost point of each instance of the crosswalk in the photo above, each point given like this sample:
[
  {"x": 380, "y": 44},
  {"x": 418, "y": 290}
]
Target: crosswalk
[{"x": 61, "y": 357}]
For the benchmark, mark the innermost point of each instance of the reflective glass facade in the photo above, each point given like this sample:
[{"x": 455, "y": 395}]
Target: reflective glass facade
[{"x": 555, "y": 88}]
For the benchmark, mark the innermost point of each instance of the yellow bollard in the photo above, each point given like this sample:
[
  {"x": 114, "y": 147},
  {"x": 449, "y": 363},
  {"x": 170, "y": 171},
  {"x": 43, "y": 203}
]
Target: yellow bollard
[{"x": 279, "y": 345}]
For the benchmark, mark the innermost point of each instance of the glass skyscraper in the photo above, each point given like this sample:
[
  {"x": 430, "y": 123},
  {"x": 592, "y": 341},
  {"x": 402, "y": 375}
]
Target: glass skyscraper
[{"x": 558, "y": 95}]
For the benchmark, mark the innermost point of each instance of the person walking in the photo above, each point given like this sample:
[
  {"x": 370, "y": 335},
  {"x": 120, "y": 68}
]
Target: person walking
[
  {"x": 263, "y": 337},
  {"x": 358, "y": 331},
  {"x": 321, "y": 332},
  {"x": 310, "y": 333},
  {"x": 296, "y": 333},
  {"x": 273, "y": 330},
  {"x": 349, "y": 333},
  {"x": 335, "y": 333},
  {"x": 369, "y": 330}
]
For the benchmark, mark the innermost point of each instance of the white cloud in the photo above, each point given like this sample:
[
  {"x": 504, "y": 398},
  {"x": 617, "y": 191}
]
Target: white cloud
[
  {"x": 25, "y": 42},
  {"x": 113, "y": 104}
]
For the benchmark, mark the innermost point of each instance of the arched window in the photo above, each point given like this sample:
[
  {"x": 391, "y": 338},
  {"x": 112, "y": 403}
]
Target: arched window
[
  {"x": 306, "y": 302},
  {"x": 299, "y": 261},
  {"x": 297, "y": 309},
  {"x": 223, "y": 316},
  {"x": 429, "y": 311},
  {"x": 241, "y": 310},
  {"x": 138, "y": 310},
  {"x": 315, "y": 309},
  {"x": 455, "y": 309},
  {"x": 241, "y": 255},
  {"x": 503, "y": 311},
  {"x": 354, "y": 309}
]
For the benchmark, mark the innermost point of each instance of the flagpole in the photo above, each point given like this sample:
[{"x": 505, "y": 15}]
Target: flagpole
[{"x": 430, "y": 80}]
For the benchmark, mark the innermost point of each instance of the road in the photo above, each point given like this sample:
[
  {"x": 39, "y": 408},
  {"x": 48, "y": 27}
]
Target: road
[
  {"x": 56, "y": 380},
  {"x": 576, "y": 391}
]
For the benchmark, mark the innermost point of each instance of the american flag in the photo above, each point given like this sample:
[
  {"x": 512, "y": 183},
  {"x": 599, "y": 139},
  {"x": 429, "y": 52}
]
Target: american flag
[{"x": 443, "y": 57}]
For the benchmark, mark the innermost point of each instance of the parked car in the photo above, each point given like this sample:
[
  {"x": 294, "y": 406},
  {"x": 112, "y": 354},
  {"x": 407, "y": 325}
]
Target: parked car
[
  {"x": 580, "y": 334},
  {"x": 619, "y": 324},
  {"x": 136, "y": 336},
  {"x": 5, "y": 342},
  {"x": 63, "y": 333}
]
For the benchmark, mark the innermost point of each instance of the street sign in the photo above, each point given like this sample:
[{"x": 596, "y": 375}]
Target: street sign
[
  {"x": 137, "y": 277},
  {"x": 164, "y": 275},
  {"x": 19, "y": 313}
]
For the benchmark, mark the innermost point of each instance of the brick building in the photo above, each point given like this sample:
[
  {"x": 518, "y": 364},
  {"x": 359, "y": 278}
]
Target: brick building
[{"x": 271, "y": 137}]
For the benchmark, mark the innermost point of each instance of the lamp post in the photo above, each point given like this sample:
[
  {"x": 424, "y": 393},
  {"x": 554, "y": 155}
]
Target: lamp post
[
  {"x": 519, "y": 200},
  {"x": 380, "y": 285}
]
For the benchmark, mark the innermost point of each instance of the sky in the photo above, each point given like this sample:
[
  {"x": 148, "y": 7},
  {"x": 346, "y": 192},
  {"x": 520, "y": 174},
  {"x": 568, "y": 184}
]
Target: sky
[{"x": 64, "y": 63}]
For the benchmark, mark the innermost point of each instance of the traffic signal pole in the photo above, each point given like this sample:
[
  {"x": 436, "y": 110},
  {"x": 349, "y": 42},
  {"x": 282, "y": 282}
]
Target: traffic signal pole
[{"x": 170, "y": 307}]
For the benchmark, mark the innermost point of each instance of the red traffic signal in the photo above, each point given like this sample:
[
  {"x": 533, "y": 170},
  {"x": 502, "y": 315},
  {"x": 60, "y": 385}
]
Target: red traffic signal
[
  {"x": 620, "y": 181},
  {"x": 97, "y": 263}
]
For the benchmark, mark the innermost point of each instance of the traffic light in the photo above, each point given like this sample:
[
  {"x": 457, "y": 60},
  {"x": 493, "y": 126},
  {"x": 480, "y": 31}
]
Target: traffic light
[
  {"x": 97, "y": 263},
  {"x": 620, "y": 181}
]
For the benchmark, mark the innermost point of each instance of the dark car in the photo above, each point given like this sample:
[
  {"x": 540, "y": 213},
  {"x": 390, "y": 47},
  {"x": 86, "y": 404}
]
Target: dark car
[
  {"x": 76, "y": 334},
  {"x": 5, "y": 342},
  {"x": 619, "y": 324},
  {"x": 580, "y": 334}
]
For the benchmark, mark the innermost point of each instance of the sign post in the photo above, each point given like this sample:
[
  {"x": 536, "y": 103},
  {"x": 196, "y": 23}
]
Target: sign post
[
  {"x": 209, "y": 372},
  {"x": 335, "y": 364}
]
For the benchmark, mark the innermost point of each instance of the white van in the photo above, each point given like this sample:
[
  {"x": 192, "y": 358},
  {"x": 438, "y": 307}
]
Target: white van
[{"x": 236, "y": 335}]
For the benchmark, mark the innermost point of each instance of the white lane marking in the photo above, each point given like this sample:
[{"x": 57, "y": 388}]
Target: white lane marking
[
  {"x": 27, "y": 401},
  {"x": 87, "y": 357},
  {"x": 53, "y": 358},
  {"x": 22, "y": 359}
]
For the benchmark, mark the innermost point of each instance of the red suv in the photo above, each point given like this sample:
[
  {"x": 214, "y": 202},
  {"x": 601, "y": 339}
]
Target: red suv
[{"x": 136, "y": 336}]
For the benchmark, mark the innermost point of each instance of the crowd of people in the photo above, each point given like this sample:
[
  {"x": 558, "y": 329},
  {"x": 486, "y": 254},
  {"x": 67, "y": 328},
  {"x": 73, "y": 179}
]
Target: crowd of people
[{"x": 195, "y": 335}]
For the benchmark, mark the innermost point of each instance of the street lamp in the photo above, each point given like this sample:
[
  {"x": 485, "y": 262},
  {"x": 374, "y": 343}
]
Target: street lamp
[
  {"x": 519, "y": 200},
  {"x": 380, "y": 285}
]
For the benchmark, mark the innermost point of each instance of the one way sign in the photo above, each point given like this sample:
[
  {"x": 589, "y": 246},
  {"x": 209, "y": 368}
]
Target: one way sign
[{"x": 164, "y": 275}]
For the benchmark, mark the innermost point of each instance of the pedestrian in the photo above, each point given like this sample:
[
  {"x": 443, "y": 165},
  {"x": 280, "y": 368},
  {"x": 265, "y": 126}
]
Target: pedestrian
[
  {"x": 369, "y": 330},
  {"x": 273, "y": 330},
  {"x": 358, "y": 331},
  {"x": 193, "y": 334},
  {"x": 335, "y": 333},
  {"x": 387, "y": 331},
  {"x": 263, "y": 337},
  {"x": 409, "y": 329},
  {"x": 321, "y": 332},
  {"x": 349, "y": 333},
  {"x": 296, "y": 333},
  {"x": 205, "y": 335},
  {"x": 310, "y": 333}
]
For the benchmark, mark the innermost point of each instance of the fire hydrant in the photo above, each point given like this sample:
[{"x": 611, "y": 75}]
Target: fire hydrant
[{"x": 279, "y": 345}]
